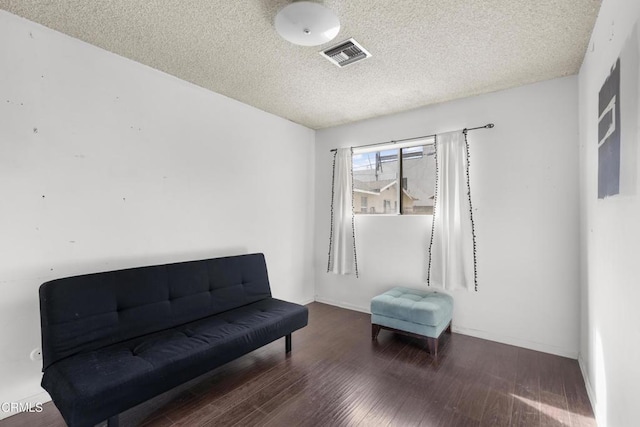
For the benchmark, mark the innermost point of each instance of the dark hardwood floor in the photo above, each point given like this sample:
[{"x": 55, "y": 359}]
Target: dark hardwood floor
[{"x": 336, "y": 375}]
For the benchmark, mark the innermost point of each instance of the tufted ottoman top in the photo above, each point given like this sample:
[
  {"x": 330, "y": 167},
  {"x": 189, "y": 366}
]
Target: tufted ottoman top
[{"x": 411, "y": 305}]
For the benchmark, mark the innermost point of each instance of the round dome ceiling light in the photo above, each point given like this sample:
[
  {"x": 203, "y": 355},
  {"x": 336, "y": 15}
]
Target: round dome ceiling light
[{"x": 307, "y": 23}]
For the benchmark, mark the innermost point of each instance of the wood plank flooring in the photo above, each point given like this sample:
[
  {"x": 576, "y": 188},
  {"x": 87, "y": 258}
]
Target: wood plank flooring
[{"x": 336, "y": 375}]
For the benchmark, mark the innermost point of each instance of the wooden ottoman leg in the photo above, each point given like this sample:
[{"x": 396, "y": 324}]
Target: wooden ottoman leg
[
  {"x": 433, "y": 347},
  {"x": 375, "y": 330},
  {"x": 449, "y": 328}
]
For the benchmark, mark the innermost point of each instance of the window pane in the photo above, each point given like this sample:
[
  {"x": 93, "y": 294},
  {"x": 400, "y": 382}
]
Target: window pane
[
  {"x": 418, "y": 180},
  {"x": 375, "y": 179}
]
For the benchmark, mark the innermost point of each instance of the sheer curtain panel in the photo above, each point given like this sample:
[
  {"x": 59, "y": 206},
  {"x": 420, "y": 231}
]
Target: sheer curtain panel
[
  {"x": 342, "y": 237},
  {"x": 452, "y": 259}
]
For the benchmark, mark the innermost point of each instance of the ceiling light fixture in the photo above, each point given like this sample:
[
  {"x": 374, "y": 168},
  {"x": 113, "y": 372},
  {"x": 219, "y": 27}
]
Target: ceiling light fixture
[{"x": 307, "y": 23}]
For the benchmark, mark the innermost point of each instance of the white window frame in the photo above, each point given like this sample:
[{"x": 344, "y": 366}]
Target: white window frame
[{"x": 399, "y": 146}]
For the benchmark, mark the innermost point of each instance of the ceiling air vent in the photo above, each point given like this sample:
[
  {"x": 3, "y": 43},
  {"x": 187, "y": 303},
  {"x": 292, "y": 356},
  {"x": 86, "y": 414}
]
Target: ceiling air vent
[{"x": 345, "y": 53}]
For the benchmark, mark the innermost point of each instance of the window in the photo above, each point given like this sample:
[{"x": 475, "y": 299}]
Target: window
[
  {"x": 418, "y": 179},
  {"x": 364, "y": 204},
  {"x": 377, "y": 173}
]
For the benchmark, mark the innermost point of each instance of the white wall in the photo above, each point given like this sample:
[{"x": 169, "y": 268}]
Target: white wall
[
  {"x": 106, "y": 164},
  {"x": 610, "y": 236},
  {"x": 524, "y": 179}
]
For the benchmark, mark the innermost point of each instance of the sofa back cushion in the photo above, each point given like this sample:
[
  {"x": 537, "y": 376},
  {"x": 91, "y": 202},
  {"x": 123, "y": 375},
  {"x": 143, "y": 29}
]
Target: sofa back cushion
[{"x": 88, "y": 312}]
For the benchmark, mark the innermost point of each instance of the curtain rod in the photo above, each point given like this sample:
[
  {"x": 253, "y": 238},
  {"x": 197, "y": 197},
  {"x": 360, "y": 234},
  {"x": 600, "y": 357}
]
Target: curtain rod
[{"x": 465, "y": 130}]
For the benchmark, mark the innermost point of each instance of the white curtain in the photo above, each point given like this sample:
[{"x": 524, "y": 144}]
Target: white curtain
[
  {"x": 452, "y": 248},
  {"x": 342, "y": 247}
]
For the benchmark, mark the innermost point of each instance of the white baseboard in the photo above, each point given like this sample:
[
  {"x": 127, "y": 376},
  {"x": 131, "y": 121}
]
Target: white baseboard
[
  {"x": 42, "y": 397},
  {"x": 517, "y": 342},
  {"x": 343, "y": 305},
  {"x": 306, "y": 301},
  {"x": 587, "y": 384},
  {"x": 490, "y": 336}
]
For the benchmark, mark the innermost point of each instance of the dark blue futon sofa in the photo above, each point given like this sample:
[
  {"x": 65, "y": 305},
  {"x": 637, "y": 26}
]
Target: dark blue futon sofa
[{"x": 115, "y": 339}]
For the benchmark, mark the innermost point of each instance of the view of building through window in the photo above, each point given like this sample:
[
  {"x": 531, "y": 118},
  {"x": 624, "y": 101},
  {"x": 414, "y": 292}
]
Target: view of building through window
[{"x": 378, "y": 188}]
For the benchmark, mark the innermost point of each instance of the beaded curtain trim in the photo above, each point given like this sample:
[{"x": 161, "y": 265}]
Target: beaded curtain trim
[
  {"x": 353, "y": 219},
  {"x": 435, "y": 204},
  {"x": 473, "y": 227},
  {"x": 333, "y": 181}
]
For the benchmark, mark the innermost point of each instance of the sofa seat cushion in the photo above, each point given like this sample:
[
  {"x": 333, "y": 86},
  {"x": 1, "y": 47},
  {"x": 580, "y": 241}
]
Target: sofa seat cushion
[{"x": 118, "y": 377}]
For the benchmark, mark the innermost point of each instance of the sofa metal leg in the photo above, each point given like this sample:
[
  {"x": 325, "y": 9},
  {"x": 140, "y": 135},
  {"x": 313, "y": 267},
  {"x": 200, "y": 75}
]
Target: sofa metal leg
[
  {"x": 113, "y": 421},
  {"x": 287, "y": 341}
]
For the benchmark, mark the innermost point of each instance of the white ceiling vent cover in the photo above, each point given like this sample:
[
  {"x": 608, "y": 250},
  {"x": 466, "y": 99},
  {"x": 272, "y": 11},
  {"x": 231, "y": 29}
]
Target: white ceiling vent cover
[{"x": 345, "y": 53}]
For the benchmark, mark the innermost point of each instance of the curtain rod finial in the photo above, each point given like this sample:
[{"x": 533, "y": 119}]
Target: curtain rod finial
[{"x": 490, "y": 125}]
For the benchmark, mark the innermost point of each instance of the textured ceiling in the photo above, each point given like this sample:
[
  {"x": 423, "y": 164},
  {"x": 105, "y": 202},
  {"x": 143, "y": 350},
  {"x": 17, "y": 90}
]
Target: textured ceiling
[{"x": 423, "y": 51}]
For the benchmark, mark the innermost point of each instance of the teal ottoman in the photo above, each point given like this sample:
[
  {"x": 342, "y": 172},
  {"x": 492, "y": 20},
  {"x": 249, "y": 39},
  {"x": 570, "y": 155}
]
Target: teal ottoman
[{"x": 422, "y": 314}]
